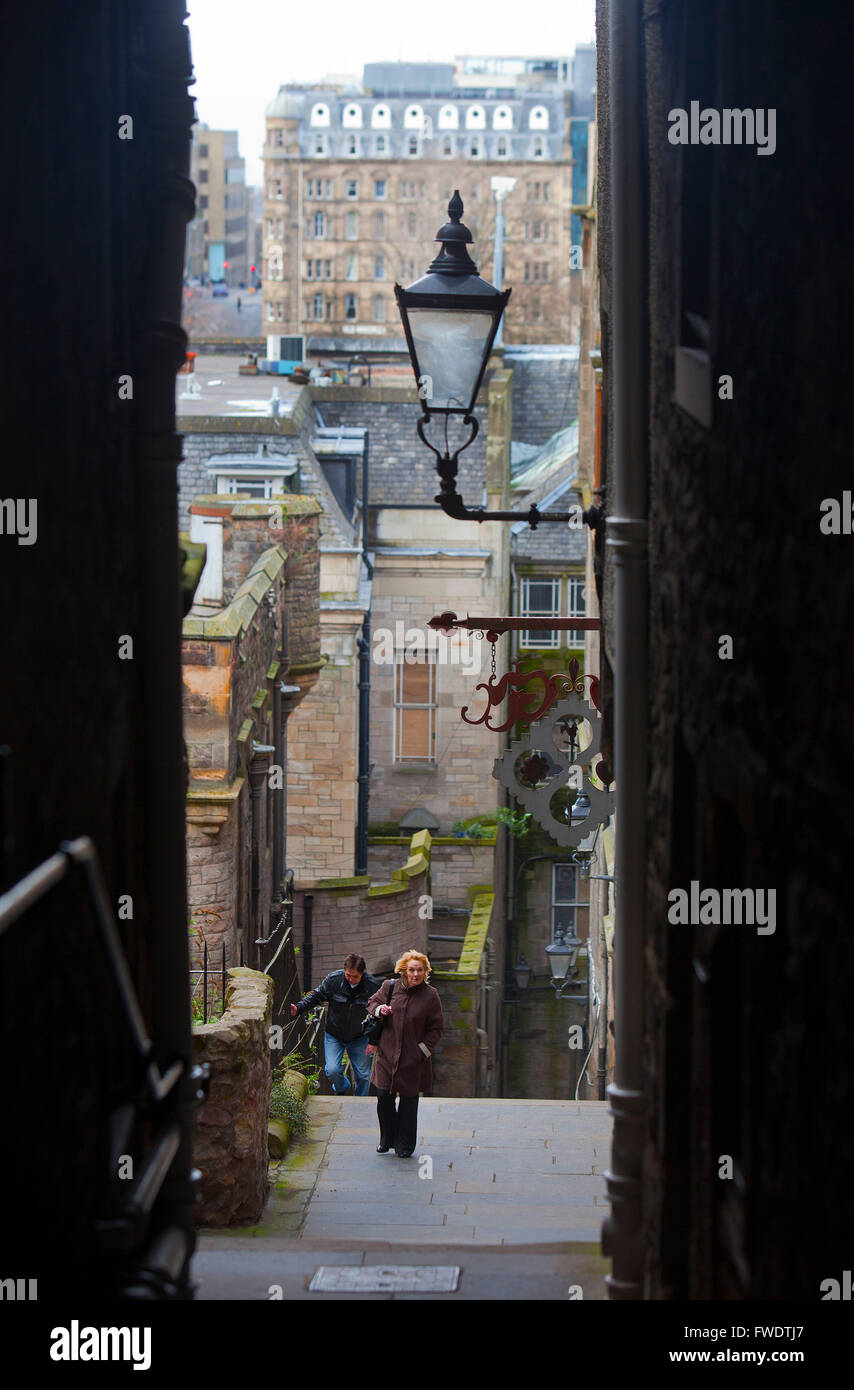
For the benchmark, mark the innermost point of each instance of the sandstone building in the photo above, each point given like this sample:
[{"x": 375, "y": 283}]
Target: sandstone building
[
  {"x": 218, "y": 245},
  {"x": 355, "y": 186}
]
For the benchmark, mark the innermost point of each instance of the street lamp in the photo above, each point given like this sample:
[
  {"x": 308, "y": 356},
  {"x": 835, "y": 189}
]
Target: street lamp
[
  {"x": 561, "y": 956},
  {"x": 451, "y": 317},
  {"x": 523, "y": 972}
]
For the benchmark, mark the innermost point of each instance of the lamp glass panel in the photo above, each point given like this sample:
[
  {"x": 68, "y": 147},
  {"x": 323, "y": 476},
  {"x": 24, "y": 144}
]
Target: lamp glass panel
[
  {"x": 560, "y": 959},
  {"x": 450, "y": 346}
]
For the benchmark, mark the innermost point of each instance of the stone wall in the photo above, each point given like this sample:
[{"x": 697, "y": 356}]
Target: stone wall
[
  {"x": 455, "y": 866},
  {"x": 466, "y": 1052},
  {"x": 322, "y": 766},
  {"x": 747, "y": 1038},
  {"x": 455, "y": 1058},
  {"x": 232, "y": 667},
  {"x": 230, "y": 1146},
  {"x": 376, "y": 919}
]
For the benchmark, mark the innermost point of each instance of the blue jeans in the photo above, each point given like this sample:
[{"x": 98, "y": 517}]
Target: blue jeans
[{"x": 356, "y": 1051}]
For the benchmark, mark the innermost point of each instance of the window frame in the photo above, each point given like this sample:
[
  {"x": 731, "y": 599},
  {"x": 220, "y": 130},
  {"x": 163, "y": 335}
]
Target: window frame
[
  {"x": 543, "y": 641},
  {"x": 574, "y": 902},
  {"x": 431, "y": 706}
]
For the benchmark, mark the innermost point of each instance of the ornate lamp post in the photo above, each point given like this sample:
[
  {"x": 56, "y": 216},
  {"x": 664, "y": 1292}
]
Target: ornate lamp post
[{"x": 451, "y": 317}]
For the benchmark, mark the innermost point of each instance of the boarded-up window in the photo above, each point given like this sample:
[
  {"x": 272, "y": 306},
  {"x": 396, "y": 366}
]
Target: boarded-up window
[{"x": 415, "y": 707}]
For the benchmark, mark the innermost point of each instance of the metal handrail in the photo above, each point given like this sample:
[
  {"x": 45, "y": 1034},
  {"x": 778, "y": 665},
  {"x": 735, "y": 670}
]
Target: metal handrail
[
  {"x": 125, "y": 1228},
  {"x": 82, "y": 854}
]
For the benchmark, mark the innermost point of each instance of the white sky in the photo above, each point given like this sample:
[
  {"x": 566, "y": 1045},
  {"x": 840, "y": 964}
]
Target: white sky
[{"x": 244, "y": 49}]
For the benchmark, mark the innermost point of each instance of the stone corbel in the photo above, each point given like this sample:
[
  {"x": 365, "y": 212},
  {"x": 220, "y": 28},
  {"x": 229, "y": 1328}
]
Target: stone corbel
[{"x": 206, "y": 817}]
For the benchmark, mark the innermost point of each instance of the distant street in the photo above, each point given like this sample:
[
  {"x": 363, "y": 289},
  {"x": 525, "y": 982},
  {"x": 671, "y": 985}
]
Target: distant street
[{"x": 206, "y": 317}]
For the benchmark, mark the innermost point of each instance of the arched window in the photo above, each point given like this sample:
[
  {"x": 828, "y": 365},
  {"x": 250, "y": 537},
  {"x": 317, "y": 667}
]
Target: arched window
[
  {"x": 381, "y": 118},
  {"x": 381, "y": 145},
  {"x": 447, "y": 146},
  {"x": 449, "y": 118},
  {"x": 502, "y": 151},
  {"x": 353, "y": 146},
  {"x": 538, "y": 119},
  {"x": 475, "y": 118},
  {"x": 320, "y": 114},
  {"x": 502, "y": 118},
  {"x": 352, "y": 118},
  {"x": 413, "y": 118}
]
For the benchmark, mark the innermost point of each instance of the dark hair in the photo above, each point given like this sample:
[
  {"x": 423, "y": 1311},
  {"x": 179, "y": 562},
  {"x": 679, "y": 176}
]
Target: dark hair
[{"x": 354, "y": 962}]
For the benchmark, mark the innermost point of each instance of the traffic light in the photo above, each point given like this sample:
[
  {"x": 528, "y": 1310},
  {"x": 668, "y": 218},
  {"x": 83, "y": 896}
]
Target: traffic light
[
  {"x": 225, "y": 265},
  {"x": 252, "y": 269}
]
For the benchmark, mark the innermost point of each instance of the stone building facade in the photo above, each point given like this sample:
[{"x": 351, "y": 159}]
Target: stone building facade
[
  {"x": 218, "y": 244},
  {"x": 740, "y": 1107},
  {"x": 356, "y": 186},
  {"x": 248, "y": 658}
]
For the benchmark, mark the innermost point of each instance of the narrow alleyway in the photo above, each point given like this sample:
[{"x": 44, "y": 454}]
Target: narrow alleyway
[{"x": 511, "y": 1192}]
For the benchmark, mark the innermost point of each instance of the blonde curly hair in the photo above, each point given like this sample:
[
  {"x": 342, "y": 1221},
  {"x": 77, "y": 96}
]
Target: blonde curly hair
[{"x": 413, "y": 955}]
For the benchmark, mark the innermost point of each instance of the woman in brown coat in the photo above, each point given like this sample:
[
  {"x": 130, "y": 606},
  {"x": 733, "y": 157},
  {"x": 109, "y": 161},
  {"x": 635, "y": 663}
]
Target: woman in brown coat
[{"x": 402, "y": 1067}]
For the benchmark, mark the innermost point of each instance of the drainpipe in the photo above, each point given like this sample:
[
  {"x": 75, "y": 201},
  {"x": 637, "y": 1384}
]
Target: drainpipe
[
  {"x": 364, "y": 645},
  {"x": 307, "y": 947},
  {"x": 622, "y": 1231}
]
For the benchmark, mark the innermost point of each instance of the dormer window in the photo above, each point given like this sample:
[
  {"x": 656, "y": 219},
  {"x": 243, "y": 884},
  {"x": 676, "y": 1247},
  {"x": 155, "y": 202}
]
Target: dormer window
[
  {"x": 320, "y": 115},
  {"x": 501, "y": 150},
  {"x": 502, "y": 118},
  {"x": 352, "y": 146},
  {"x": 475, "y": 118},
  {"x": 539, "y": 148},
  {"x": 352, "y": 119},
  {"x": 413, "y": 118},
  {"x": 449, "y": 118},
  {"x": 538, "y": 119},
  {"x": 381, "y": 118}
]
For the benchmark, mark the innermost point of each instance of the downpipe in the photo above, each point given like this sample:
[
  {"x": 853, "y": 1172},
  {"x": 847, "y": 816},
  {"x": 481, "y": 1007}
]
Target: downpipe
[{"x": 622, "y": 1231}]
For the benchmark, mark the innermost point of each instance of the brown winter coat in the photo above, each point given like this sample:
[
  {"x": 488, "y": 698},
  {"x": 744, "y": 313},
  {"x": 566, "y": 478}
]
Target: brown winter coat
[{"x": 416, "y": 1016}]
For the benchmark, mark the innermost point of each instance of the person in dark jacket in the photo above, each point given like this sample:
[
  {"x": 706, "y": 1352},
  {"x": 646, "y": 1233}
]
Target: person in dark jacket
[
  {"x": 347, "y": 993},
  {"x": 402, "y": 1067}
]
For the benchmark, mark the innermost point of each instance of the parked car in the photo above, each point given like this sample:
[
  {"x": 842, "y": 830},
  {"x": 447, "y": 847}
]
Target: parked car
[{"x": 220, "y": 292}]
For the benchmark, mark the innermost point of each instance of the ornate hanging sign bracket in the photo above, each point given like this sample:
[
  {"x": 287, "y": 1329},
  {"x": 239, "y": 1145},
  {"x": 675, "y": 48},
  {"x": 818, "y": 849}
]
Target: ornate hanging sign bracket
[
  {"x": 529, "y": 694},
  {"x": 553, "y": 759},
  {"x": 550, "y": 769}
]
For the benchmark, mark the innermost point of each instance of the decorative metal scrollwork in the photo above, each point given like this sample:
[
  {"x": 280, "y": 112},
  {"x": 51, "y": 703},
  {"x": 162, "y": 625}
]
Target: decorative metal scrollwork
[
  {"x": 548, "y": 758},
  {"x": 526, "y": 705}
]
